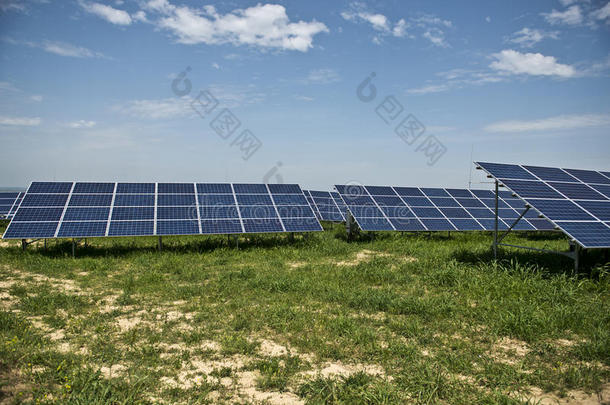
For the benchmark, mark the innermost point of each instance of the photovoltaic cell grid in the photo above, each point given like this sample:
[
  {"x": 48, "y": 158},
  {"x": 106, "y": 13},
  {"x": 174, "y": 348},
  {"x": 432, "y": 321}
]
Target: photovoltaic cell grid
[
  {"x": 328, "y": 206},
  {"x": 576, "y": 201},
  {"x": 9, "y": 202},
  {"x": 385, "y": 208},
  {"x": 66, "y": 209}
]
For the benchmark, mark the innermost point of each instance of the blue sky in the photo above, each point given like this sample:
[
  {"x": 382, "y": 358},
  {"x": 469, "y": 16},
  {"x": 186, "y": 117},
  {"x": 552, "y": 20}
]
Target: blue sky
[{"x": 86, "y": 90}]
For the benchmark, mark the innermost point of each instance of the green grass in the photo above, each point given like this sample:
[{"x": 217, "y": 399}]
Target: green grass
[{"x": 395, "y": 318}]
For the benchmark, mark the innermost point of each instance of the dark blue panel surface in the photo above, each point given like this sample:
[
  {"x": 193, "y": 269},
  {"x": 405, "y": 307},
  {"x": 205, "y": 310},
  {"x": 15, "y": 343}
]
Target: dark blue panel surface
[
  {"x": 135, "y": 188},
  {"x": 380, "y": 190},
  {"x": 407, "y": 224},
  {"x": 470, "y": 202},
  {"x": 257, "y": 211},
  {"x": 532, "y": 189},
  {"x": 561, "y": 210},
  {"x": 600, "y": 209},
  {"x": 49, "y": 188},
  {"x": 515, "y": 203},
  {"x": 177, "y": 213},
  {"x": 542, "y": 224},
  {"x": 491, "y": 203},
  {"x": 409, "y": 191},
  {"x": 175, "y": 199},
  {"x": 522, "y": 225},
  {"x": 26, "y": 230},
  {"x": 508, "y": 213},
  {"x": 90, "y": 200},
  {"x": 250, "y": 188},
  {"x": 588, "y": 176},
  {"x": 418, "y": 201},
  {"x": 38, "y": 214},
  {"x": 214, "y": 188},
  {"x": 577, "y": 190},
  {"x": 82, "y": 229},
  {"x": 301, "y": 224},
  {"x": 551, "y": 173},
  {"x": 374, "y": 224},
  {"x": 387, "y": 200},
  {"x": 504, "y": 171},
  {"x": 423, "y": 212},
  {"x": 350, "y": 190},
  {"x": 220, "y": 226},
  {"x": 132, "y": 213},
  {"x": 175, "y": 188},
  {"x": 333, "y": 216},
  {"x": 284, "y": 188},
  {"x": 466, "y": 224},
  {"x": 262, "y": 225},
  {"x": 93, "y": 188},
  {"x": 444, "y": 202},
  {"x": 134, "y": 200},
  {"x": 289, "y": 199},
  {"x": 365, "y": 211},
  {"x": 295, "y": 211},
  {"x": 484, "y": 193},
  {"x": 131, "y": 228},
  {"x": 589, "y": 234},
  {"x": 44, "y": 200},
  {"x": 11, "y": 195},
  {"x": 488, "y": 224},
  {"x": 253, "y": 199},
  {"x": 481, "y": 213},
  {"x": 184, "y": 227},
  {"x": 87, "y": 214},
  {"x": 216, "y": 199},
  {"x": 455, "y": 213},
  {"x": 398, "y": 212},
  {"x": 458, "y": 192},
  {"x": 605, "y": 190},
  {"x": 435, "y": 192},
  {"x": 438, "y": 225},
  {"x": 218, "y": 212}
]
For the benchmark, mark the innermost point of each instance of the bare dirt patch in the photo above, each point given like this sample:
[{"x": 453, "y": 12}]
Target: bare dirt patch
[
  {"x": 577, "y": 397},
  {"x": 509, "y": 351}
]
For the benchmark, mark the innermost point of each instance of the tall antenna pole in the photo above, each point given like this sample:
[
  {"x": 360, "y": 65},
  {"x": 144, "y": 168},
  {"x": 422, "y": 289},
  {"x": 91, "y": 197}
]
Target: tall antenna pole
[{"x": 470, "y": 164}]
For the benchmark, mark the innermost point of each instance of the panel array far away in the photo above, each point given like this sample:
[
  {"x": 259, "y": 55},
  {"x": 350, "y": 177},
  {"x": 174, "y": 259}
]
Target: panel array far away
[
  {"x": 9, "y": 202},
  {"x": 385, "y": 208},
  {"x": 327, "y": 205},
  {"x": 576, "y": 201},
  {"x": 66, "y": 209}
]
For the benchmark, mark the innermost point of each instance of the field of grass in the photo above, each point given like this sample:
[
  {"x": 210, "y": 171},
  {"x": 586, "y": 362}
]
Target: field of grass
[{"x": 389, "y": 318}]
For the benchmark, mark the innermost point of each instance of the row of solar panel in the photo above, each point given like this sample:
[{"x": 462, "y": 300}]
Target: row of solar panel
[
  {"x": 576, "y": 201},
  {"x": 161, "y": 188},
  {"x": 9, "y": 202},
  {"x": 435, "y": 209},
  {"x": 327, "y": 206},
  {"x": 48, "y": 211}
]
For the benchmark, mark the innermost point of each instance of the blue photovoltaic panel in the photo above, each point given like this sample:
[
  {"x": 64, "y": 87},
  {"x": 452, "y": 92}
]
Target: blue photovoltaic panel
[
  {"x": 408, "y": 210},
  {"x": 9, "y": 202},
  {"x": 504, "y": 171},
  {"x": 90, "y": 209},
  {"x": 575, "y": 201}
]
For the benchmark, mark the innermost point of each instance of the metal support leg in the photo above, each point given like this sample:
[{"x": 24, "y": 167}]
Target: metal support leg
[
  {"x": 496, "y": 224},
  {"x": 350, "y": 226},
  {"x": 160, "y": 244},
  {"x": 24, "y": 244},
  {"x": 576, "y": 258},
  {"x": 73, "y": 248},
  {"x": 45, "y": 244},
  {"x": 291, "y": 237},
  {"x": 236, "y": 238}
]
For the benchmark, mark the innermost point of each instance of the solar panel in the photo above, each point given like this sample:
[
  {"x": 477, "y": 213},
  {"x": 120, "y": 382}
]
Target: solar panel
[
  {"x": 326, "y": 205},
  {"x": 9, "y": 202},
  {"x": 85, "y": 209},
  {"x": 434, "y": 209},
  {"x": 576, "y": 201}
]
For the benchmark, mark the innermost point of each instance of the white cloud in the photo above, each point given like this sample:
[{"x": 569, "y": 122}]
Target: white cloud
[
  {"x": 400, "y": 29},
  {"x": 11, "y": 6},
  {"x": 139, "y": 16},
  {"x": 528, "y": 37},
  {"x": 603, "y": 13},
  {"x": 437, "y": 37},
  {"x": 65, "y": 49},
  {"x": 110, "y": 14},
  {"x": 432, "y": 88},
  {"x": 303, "y": 98},
  {"x": 322, "y": 76},
  {"x": 560, "y": 122},
  {"x": 6, "y": 86},
  {"x": 81, "y": 124},
  {"x": 37, "y": 98},
  {"x": 488, "y": 19},
  {"x": 571, "y": 16},
  {"x": 513, "y": 62},
  {"x": 263, "y": 26},
  {"x": 157, "y": 109},
  {"x": 427, "y": 20},
  {"x": 216, "y": 66},
  {"x": 20, "y": 121},
  {"x": 566, "y": 3},
  {"x": 379, "y": 22}
]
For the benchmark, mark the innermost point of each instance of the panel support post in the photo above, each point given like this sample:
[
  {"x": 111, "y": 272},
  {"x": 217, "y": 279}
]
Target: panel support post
[
  {"x": 576, "y": 257},
  {"x": 45, "y": 244},
  {"x": 160, "y": 244},
  {"x": 24, "y": 244},
  {"x": 73, "y": 248},
  {"x": 236, "y": 239},
  {"x": 496, "y": 224},
  {"x": 291, "y": 237},
  {"x": 350, "y": 226}
]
